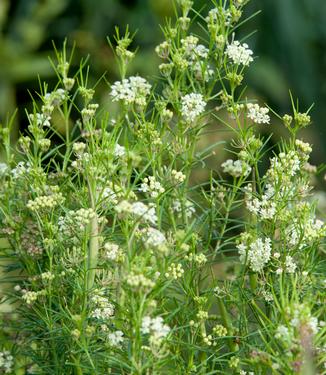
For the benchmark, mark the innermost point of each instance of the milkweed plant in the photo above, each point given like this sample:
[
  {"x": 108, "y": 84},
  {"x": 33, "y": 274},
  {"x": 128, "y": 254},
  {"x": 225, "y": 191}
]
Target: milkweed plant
[{"x": 116, "y": 261}]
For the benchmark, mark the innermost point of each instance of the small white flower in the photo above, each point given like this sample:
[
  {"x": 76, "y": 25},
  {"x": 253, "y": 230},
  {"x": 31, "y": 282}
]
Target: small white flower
[
  {"x": 265, "y": 207},
  {"x": 6, "y": 362},
  {"x": 201, "y": 51},
  {"x": 108, "y": 195},
  {"x": 45, "y": 202},
  {"x": 131, "y": 90},
  {"x": 146, "y": 324},
  {"x": 258, "y": 115},
  {"x": 140, "y": 210},
  {"x": 155, "y": 327},
  {"x": 290, "y": 266},
  {"x": 240, "y": 54},
  {"x": 40, "y": 119},
  {"x": 153, "y": 238},
  {"x": 115, "y": 338},
  {"x": 79, "y": 147},
  {"x": 152, "y": 186},
  {"x": 192, "y": 105},
  {"x": 236, "y": 168},
  {"x": 89, "y": 112},
  {"x": 103, "y": 308},
  {"x": 177, "y": 176},
  {"x": 20, "y": 170},
  {"x": 112, "y": 251},
  {"x": 303, "y": 146},
  {"x": 175, "y": 271},
  {"x": 188, "y": 206},
  {"x": 282, "y": 333},
  {"x": 3, "y": 169},
  {"x": 257, "y": 253},
  {"x": 139, "y": 281},
  {"x": 119, "y": 151},
  {"x": 217, "y": 15}
]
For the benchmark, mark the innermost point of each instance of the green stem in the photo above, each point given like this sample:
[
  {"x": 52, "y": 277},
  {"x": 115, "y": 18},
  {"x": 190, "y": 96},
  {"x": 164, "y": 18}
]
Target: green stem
[
  {"x": 227, "y": 323},
  {"x": 93, "y": 247},
  {"x": 253, "y": 281},
  {"x": 93, "y": 253}
]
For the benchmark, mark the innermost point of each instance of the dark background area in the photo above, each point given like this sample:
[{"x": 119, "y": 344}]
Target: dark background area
[{"x": 290, "y": 43}]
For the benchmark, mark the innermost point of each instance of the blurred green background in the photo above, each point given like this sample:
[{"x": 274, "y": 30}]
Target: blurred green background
[{"x": 290, "y": 42}]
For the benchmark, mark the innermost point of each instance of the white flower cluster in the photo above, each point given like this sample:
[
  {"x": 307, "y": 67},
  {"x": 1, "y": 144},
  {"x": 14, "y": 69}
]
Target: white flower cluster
[
  {"x": 236, "y": 168},
  {"x": 216, "y": 15},
  {"x": 301, "y": 236},
  {"x": 153, "y": 239},
  {"x": 258, "y": 115},
  {"x": 138, "y": 209},
  {"x": 47, "y": 276},
  {"x": 6, "y": 362},
  {"x": 53, "y": 99},
  {"x": 187, "y": 206},
  {"x": 190, "y": 55},
  {"x": 290, "y": 265},
  {"x": 264, "y": 208},
  {"x": 89, "y": 112},
  {"x": 239, "y": 53},
  {"x": 40, "y": 119},
  {"x": 152, "y": 186},
  {"x": 132, "y": 90},
  {"x": 177, "y": 176},
  {"x": 175, "y": 271},
  {"x": 115, "y": 338},
  {"x": 110, "y": 194},
  {"x": 112, "y": 251},
  {"x": 192, "y": 49},
  {"x": 156, "y": 328},
  {"x": 4, "y": 169},
  {"x": 304, "y": 147},
  {"x": 202, "y": 71},
  {"x": 139, "y": 281},
  {"x": 163, "y": 50},
  {"x": 192, "y": 106},
  {"x": 44, "y": 144},
  {"x": 82, "y": 159},
  {"x": 50, "y": 101},
  {"x": 208, "y": 340},
  {"x": 21, "y": 170},
  {"x": 282, "y": 191},
  {"x": 79, "y": 148},
  {"x": 220, "y": 330},
  {"x": 199, "y": 259},
  {"x": 299, "y": 317},
  {"x": 315, "y": 229},
  {"x": 285, "y": 164},
  {"x": 242, "y": 372},
  {"x": 283, "y": 333},
  {"x": 45, "y": 202},
  {"x": 44, "y": 276},
  {"x": 119, "y": 150},
  {"x": 202, "y": 315},
  {"x": 103, "y": 308},
  {"x": 29, "y": 296},
  {"x": 75, "y": 220},
  {"x": 256, "y": 253}
]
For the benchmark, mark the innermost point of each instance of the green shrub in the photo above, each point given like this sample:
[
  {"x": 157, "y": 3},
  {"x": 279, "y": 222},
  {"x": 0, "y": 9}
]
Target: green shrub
[{"x": 119, "y": 262}]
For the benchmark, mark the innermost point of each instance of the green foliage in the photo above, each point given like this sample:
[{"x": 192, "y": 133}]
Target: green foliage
[{"x": 118, "y": 260}]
